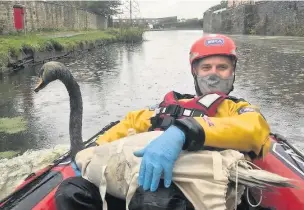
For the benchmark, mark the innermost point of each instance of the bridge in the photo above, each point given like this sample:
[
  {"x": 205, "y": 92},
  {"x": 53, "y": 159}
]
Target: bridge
[
  {"x": 163, "y": 21},
  {"x": 129, "y": 14}
]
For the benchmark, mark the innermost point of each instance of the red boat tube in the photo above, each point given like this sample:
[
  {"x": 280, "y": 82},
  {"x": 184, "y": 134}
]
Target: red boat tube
[
  {"x": 38, "y": 190},
  {"x": 285, "y": 160}
]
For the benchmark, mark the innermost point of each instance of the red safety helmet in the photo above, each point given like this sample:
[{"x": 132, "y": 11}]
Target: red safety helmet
[
  {"x": 208, "y": 45},
  {"x": 212, "y": 44}
]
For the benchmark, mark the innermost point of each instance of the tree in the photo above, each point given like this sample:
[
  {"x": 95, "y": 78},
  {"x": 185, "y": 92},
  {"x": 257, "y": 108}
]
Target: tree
[
  {"x": 224, "y": 3},
  {"x": 106, "y": 8}
]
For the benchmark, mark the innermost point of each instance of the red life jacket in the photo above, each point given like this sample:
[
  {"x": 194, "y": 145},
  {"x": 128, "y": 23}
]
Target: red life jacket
[{"x": 172, "y": 108}]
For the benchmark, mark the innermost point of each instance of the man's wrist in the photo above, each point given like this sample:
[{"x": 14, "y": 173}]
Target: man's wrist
[{"x": 194, "y": 133}]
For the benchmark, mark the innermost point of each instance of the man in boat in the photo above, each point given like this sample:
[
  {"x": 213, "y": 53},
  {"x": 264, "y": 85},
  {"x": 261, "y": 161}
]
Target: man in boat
[{"x": 212, "y": 119}]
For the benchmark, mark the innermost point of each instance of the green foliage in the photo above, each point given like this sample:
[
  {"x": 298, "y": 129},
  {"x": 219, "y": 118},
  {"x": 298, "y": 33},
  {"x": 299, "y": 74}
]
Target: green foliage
[
  {"x": 106, "y": 8},
  {"x": 223, "y": 4},
  {"x": 130, "y": 34}
]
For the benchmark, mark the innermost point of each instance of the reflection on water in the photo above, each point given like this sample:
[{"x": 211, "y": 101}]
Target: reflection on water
[{"x": 120, "y": 78}]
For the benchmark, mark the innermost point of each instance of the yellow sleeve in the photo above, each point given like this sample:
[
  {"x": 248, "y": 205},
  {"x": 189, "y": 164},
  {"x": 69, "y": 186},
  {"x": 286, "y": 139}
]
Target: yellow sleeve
[
  {"x": 244, "y": 129},
  {"x": 137, "y": 120}
]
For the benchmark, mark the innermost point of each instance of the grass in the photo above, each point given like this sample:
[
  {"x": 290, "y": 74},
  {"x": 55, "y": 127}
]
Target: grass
[{"x": 11, "y": 45}]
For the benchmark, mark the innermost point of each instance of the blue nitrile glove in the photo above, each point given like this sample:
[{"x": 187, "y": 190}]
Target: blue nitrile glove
[
  {"x": 76, "y": 169},
  {"x": 159, "y": 156}
]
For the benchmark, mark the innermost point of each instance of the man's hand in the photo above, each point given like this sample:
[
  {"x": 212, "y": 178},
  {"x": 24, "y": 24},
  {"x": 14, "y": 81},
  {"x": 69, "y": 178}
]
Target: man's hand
[{"x": 159, "y": 156}]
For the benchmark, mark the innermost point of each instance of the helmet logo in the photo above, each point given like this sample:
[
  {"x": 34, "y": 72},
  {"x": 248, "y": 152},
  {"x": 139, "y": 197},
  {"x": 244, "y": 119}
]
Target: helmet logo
[{"x": 214, "y": 42}]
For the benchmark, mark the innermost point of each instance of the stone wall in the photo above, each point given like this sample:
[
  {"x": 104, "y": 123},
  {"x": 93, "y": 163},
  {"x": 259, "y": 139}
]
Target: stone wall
[
  {"x": 263, "y": 18},
  {"x": 227, "y": 21},
  {"x": 50, "y": 15}
]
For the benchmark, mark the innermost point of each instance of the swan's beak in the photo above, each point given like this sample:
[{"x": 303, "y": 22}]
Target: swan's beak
[{"x": 40, "y": 85}]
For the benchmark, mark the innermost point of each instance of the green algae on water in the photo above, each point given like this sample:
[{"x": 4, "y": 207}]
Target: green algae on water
[
  {"x": 12, "y": 125},
  {"x": 9, "y": 154}
]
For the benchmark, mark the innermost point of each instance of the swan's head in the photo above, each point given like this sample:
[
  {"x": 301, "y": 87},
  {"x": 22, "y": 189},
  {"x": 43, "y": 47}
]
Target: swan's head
[{"x": 49, "y": 72}]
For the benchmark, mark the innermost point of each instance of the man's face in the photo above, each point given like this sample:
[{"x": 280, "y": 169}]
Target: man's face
[{"x": 219, "y": 65}]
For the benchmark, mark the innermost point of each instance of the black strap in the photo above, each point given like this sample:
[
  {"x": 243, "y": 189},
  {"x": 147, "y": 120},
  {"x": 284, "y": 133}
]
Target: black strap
[
  {"x": 172, "y": 110},
  {"x": 178, "y": 111},
  {"x": 161, "y": 123},
  {"x": 167, "y": 116}
]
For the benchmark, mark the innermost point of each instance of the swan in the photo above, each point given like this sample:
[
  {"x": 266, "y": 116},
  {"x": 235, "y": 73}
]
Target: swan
[{"x": 52, "y": 71}]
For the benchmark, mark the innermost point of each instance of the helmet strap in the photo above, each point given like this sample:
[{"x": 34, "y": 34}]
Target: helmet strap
[
  {"x": 197, "y": 89},
  {"x": 233, "y": 76}
]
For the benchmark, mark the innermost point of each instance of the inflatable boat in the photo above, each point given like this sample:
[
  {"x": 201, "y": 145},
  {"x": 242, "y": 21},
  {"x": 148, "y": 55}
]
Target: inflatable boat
[{"x": 38, "y": 189}]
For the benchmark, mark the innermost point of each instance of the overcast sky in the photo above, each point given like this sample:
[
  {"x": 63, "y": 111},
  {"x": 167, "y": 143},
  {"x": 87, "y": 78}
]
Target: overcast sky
[{"x": 179, "y": 8}]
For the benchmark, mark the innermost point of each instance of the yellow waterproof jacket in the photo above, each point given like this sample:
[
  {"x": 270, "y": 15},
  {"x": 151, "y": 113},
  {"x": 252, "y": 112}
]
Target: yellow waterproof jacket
[{"x": 236, "y": 125}]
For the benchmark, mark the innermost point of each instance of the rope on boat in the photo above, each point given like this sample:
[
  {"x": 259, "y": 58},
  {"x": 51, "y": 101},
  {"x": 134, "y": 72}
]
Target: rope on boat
[{"x": 247, "y": 188}]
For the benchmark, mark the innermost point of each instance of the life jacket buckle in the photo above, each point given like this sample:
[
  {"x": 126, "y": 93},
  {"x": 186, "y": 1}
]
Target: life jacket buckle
[{"x": 174, "y": 110}]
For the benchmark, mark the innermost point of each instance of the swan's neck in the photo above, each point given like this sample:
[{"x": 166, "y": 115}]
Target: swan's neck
[{"x": 76, "y": 110}]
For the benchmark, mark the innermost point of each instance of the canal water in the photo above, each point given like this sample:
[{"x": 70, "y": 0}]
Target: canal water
[{"x": 119, "y": 78}]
